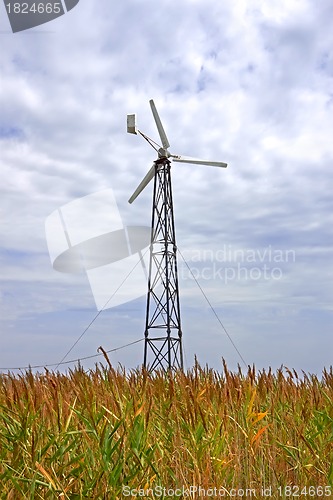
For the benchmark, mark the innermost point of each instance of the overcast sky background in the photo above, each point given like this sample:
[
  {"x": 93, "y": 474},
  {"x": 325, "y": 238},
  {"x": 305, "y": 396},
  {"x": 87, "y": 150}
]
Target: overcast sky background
[{"x": 248, "y": 83}]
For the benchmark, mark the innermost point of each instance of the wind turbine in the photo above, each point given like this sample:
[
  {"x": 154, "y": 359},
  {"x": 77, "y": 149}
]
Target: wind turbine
[{"x": 163, "y": 333}]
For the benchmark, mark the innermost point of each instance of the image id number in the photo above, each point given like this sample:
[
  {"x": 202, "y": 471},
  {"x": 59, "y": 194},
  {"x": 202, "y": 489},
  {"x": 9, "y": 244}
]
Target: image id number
[
  {"x": 36, "y": 8},
  {"x": 306, "y": 491}
]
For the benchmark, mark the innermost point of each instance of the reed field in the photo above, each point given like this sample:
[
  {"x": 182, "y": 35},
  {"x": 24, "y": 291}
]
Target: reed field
[{"x": 109, "y": 434}]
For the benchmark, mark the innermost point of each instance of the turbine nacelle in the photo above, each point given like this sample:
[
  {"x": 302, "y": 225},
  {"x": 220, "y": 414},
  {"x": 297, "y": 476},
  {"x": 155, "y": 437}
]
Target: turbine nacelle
[{"x": 162, "y": 151}]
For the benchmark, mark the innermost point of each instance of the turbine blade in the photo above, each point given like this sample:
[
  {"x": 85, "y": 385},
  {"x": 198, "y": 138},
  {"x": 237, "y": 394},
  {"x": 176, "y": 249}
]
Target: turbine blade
[
  {"x": 148, "y": 177},
  {"x": 164, "y": 139},
  {"x": 197, "y": 161}
]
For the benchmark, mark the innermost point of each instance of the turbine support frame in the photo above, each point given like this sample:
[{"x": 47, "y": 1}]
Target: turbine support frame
[{"x": 163, "y": 334}]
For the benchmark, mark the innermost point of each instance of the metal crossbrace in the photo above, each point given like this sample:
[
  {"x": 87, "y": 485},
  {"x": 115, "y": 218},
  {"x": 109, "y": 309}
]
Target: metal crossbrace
[
  {"x": 162, "y": 358},
  {"x": 163, "y": 309}
]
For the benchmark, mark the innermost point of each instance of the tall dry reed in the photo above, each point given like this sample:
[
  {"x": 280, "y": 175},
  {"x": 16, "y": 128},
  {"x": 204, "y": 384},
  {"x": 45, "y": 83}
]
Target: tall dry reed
[{"x": 90, "y": 434}]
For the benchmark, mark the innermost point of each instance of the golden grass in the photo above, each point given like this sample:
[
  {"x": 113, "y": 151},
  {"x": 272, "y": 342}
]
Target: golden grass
[{"x": 87, "y": 435}]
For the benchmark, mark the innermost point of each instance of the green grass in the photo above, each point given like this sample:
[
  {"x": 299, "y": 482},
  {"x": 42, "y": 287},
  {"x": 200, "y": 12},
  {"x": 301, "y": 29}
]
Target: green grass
[{"x": 87, "y": 435}]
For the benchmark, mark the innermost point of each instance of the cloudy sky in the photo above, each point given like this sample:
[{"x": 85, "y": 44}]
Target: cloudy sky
[{"x": 247, "y": 83}]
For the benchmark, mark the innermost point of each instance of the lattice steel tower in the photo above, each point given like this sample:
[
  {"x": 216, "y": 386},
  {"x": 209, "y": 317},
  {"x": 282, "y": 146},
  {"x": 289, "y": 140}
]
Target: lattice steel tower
[{"x": 163, "y": 333}]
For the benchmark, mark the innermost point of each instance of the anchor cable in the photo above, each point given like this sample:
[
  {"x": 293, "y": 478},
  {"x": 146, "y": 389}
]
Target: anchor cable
[{"x": 212, "y": 308}]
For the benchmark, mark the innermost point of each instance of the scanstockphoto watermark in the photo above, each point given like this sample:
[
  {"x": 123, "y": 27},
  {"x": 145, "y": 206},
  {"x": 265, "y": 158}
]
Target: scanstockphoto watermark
[
  {"x": 188, "y": 492},
  {"x": 229, "y": 264}
]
